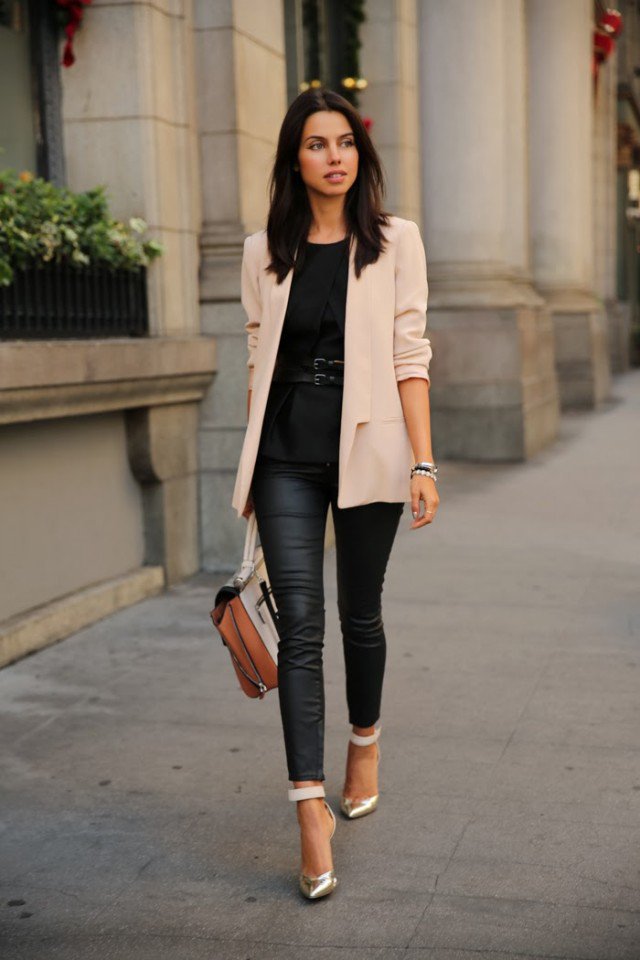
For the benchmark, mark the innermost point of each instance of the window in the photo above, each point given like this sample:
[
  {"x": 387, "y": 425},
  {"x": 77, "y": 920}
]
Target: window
[
  {"x": 322, "y": 44},
  {"x": 30, "y": 114}
]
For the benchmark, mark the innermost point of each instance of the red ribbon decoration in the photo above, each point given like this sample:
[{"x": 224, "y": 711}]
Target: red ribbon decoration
[
  {"x": 608, "y": 29},
  {"x": 603, "y": 45},
  {"x": 611, "y": 22},
  {"x": 75, "y": 12}
]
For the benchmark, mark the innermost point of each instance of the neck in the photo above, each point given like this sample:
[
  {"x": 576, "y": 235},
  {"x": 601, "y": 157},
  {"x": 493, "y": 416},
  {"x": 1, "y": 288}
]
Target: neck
[{"x": 327, "y": 217}]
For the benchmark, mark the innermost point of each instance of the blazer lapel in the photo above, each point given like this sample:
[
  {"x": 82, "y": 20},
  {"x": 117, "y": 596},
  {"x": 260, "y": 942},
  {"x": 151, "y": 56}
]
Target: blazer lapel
[{"x": 357, "y": 343}]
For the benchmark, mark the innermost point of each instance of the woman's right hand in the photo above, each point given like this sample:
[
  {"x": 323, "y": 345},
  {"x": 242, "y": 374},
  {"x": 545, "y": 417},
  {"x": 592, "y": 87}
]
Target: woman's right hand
[{"x": 248, "y": 510}]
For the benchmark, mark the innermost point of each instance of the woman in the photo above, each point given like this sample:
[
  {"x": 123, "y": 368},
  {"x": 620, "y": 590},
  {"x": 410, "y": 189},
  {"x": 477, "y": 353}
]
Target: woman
[{"x": 335, "y": 292}]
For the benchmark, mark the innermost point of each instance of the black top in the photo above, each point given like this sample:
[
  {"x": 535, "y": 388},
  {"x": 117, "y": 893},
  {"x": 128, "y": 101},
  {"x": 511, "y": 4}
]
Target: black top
[{"x": 302, "y": 420}]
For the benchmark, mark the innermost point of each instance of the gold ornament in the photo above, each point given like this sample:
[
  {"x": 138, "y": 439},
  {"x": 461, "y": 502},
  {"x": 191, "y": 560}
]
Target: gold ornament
[{"x": 358, "y": 82}]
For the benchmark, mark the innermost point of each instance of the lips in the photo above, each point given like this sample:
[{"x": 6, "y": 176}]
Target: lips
[{"x": 335, "y": 174}]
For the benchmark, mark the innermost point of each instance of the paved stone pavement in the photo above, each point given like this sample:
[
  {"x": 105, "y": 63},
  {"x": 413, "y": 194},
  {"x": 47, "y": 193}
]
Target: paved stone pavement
[{"x": 143, "y": 797}]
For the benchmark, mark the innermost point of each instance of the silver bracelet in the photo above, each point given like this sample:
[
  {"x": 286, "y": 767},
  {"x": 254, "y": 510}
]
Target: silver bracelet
[{"x": 424, "y": 468}]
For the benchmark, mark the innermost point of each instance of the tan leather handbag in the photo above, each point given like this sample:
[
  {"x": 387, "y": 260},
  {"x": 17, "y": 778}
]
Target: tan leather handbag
[{"x": 245, "y": 616}]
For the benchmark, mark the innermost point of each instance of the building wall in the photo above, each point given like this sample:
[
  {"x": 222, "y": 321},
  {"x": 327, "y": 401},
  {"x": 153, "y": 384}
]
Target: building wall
[
  {"x": 129, "y": 115},
  {"x": 604, "y": 180},
  {"x": 389, "y": 60},
  {"x": 89, "y": 493},
  {"x": 70, "y": 509},
  {"x": 175, "y": 106},
  {"x": 241, "y": 83}
]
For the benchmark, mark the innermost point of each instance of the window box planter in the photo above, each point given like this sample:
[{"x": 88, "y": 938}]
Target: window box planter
[{"x": 56, "y": 301}]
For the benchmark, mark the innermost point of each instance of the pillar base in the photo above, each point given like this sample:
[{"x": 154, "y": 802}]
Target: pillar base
[
  {"x": 619, "y": 323},
  {"x": 581, "y": 347},
  {"x": 494, "y": 392}
]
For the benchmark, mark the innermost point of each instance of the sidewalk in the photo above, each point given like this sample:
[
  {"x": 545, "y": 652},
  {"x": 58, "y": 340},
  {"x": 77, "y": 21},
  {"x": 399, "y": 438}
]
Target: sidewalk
[{"x": 143, "y": 804}]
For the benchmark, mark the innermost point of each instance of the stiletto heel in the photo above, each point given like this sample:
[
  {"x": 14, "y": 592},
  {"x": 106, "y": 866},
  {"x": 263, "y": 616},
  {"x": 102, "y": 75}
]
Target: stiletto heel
[
  {"x": 315, "y": 887},
  {"x": 360, "y": 808}
]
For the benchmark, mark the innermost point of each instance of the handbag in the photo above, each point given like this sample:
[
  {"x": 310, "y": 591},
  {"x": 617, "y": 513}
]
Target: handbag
[{"x": 245, "y": 616}]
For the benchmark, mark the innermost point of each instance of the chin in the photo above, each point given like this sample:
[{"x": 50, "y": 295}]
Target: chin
[{"x": 330, "y": 190}]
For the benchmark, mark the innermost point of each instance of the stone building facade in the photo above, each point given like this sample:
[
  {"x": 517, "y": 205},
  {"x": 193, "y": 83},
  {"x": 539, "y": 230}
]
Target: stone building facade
[{"x": 118, "y": 458}]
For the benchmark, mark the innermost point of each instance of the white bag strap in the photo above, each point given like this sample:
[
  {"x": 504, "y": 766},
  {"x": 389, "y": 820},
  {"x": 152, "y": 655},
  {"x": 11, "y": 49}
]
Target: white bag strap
[
  {"x": 247, "y": 567},
  {"x": 251, "y": 537}
]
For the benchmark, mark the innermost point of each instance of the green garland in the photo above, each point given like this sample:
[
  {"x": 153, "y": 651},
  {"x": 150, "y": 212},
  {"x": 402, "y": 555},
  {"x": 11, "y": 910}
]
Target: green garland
[
  {"x": 311, "y": 28},
  {"x": 352, "y": 13}
]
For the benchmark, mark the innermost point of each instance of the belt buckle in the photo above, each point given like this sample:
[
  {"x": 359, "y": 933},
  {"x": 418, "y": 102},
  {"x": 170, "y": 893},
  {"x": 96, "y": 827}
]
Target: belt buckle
[
  {"x": 319, "y": 378},
  {"x": 319, "y": 361}
]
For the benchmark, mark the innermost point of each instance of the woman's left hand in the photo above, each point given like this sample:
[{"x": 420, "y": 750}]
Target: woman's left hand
[{"x": 423, "y": 489}]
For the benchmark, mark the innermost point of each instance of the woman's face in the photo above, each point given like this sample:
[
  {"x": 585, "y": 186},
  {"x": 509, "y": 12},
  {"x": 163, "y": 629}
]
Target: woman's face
[{"x": 327, "y": 146}]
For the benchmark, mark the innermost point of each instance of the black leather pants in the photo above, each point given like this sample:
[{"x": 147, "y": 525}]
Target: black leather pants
[{"x": 291, "y": 500}]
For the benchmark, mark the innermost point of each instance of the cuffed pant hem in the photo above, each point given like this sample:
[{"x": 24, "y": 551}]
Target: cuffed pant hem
[{"x": 373, "y": 723}]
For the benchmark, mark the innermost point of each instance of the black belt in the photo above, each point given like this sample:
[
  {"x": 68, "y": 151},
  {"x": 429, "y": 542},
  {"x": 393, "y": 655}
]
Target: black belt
[{"x": 319, "y": 371}]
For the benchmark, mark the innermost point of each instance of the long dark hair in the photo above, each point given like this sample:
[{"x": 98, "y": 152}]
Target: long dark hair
[{"x": 289, "y": 211}]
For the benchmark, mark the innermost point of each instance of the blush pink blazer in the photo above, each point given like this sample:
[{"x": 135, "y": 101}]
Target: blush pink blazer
[{"x": 385, "y": 320}]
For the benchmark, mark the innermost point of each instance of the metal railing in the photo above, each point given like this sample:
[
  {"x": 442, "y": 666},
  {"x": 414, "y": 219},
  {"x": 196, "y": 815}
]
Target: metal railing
[{"x": 57, "y": 301}]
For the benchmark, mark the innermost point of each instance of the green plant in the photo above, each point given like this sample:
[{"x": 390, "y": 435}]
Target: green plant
[{"x": 41, "y": 222}]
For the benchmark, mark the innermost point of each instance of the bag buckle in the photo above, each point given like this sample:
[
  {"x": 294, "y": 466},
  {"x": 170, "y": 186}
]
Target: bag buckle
[{"x": 319, "y": 378}]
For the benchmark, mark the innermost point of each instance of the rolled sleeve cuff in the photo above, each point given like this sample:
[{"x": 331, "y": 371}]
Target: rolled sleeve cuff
[
  {"x": 415, "y": 366},
  {"x": 407, "y": 372}
]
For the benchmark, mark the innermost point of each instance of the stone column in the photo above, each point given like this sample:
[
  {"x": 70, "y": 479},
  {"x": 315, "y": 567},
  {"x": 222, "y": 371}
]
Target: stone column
[
  {"x": 390, "y": 63},
  {"x": 241, "y": 89},
  {"x": 494, "y": 392},
  {"x": 130, "y": 122},
  {"x": 605, "y": 192},
  {"x": 561, "y": 193}
]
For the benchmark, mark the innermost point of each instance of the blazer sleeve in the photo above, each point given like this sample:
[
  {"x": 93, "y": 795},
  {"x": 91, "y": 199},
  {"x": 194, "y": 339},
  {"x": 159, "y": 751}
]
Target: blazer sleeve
[
  {"x": 252, "y": 303},
  {"x": 411, "y": 350}
]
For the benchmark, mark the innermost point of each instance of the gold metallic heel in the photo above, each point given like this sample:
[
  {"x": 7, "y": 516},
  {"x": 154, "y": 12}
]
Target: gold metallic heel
[
  {"x": 315, "y": 887},
  {"x": 360, "y": 808}
]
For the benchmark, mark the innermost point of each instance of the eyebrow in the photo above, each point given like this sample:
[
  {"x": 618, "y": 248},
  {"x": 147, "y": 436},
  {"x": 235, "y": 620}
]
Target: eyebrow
[{"x": 317, "y": 136}]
